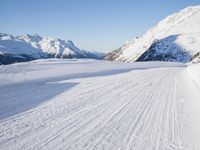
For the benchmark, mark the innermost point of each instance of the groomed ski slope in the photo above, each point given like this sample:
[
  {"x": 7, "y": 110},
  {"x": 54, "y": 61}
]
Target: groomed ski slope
[{"x": 88, "y": 104}]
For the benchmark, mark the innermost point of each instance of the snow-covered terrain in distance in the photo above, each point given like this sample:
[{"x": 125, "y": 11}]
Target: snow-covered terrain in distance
[
  {"x": 176, "y": 38},
  {"x": 92, "y": 104},
  {"x": 30, "y": 47}
]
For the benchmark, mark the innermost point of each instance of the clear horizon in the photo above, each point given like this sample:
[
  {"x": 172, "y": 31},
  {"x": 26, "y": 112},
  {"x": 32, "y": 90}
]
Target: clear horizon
[{"x": 92, "y": 25}]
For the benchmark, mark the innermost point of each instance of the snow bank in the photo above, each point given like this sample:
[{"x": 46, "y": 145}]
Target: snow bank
[{"x": 194, "y": 71}]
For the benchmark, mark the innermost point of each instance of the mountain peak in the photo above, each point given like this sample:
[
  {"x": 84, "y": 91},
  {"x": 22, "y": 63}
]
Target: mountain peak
[
  {"x": 69, "y": 42},
  {"x": 191, "y": 8}
]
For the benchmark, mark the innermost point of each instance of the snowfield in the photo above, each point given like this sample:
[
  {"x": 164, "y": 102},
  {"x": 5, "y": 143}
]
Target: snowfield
[{"x": 91, "y": 104}]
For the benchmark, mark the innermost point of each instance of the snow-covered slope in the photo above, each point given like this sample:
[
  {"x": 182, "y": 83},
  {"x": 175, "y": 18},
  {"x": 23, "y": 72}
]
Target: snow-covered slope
[
  {"x": 77, "y": 104},
  {"x": 194, "y": 71},
  {"x": 28, "y": 47},
  {"x": 176, "y": 38}
]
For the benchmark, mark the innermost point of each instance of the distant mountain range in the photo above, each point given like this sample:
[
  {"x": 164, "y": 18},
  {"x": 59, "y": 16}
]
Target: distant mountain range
[
  {"x": 29, "y": 47},
  {"x": 176, "y": 38}
]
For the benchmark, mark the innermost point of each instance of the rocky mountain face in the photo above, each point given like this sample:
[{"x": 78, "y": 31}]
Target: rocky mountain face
[
  {"x": 196, "y": 58},
  {"x": 176, "y": 38},
  {"x": 30, "y": 47}
]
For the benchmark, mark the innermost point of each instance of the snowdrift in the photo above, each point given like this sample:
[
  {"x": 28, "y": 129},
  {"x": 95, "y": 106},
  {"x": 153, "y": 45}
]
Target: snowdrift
[{"x": 194, "y": 71}]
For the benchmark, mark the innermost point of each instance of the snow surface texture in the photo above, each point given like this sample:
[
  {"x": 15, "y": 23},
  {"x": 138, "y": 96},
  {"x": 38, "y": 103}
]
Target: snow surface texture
[
  {"x": 176, "y": 38},
  {"x": 29, "y": 47},
  {"x": 90, "y": 104},
  {"x": 194, "y": 71}
]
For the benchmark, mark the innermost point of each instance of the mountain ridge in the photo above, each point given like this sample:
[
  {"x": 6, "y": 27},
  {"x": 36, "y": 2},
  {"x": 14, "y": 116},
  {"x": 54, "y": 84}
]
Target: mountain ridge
[
  {"x": 29, "y": 47},
  {"x": 184, "y": 25}
]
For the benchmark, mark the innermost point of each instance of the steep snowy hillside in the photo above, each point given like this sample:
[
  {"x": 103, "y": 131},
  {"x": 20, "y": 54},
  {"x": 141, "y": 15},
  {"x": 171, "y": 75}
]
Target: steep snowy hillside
[
  {"x": 29, "y": 47},
  {"x": 176, "y": 38}
]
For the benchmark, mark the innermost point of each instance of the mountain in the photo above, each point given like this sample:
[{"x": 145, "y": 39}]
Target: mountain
[
  {"x": 30, "y": 47},
  {"x": 176, "y": 38}
]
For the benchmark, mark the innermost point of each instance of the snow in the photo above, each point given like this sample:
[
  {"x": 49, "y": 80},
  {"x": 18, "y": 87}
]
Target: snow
[
  {"x": 39, "y": 47},
  {"x": 91, "y": 104},
  {"x": 194, "y": 71},
  {"x": 184, "y": 26}
]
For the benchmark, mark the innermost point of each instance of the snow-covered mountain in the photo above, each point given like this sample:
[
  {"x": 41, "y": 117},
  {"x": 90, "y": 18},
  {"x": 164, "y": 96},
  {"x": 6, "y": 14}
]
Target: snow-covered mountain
[
  {"x": 29, "y": 47},
  {"x": 176, "y": 38}
]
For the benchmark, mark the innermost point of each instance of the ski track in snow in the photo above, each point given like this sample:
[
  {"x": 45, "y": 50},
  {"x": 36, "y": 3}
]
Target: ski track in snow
[{"x": 133, "y": 110}]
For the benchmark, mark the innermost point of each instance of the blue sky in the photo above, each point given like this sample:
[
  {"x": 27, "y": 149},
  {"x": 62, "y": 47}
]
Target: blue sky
[{"x": 100, "y": 25}]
